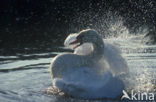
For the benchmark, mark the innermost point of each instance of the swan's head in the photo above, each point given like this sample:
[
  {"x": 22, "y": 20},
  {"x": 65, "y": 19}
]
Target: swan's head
[{"x": 86, "y": 36}]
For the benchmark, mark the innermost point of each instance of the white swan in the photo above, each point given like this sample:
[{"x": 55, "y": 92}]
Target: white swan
[{"x": 86, "y": 75}]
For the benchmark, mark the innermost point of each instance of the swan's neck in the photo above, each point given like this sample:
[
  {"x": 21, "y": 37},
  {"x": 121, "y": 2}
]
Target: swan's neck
[{"x": 98, "y": 51}]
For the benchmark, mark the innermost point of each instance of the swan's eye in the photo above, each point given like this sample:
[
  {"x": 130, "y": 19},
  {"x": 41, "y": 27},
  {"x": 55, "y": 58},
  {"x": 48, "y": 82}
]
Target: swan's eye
[{"x": 80, "y": 36}]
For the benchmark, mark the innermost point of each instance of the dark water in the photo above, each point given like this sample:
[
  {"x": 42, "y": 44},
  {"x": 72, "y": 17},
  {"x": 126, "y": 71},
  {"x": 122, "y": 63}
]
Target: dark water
[{"x": 25, "y": 77}]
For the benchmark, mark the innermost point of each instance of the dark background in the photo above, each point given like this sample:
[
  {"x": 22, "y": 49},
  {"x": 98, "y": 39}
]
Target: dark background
[{"x": 40, "y": 23}]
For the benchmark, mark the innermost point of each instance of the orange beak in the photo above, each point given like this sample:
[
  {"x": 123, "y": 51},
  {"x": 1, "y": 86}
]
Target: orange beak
[{"x": 74, "y": 42}]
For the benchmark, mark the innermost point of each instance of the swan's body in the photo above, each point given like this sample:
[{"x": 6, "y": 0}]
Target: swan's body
[
  {"x": 87, "y": 75},
  {"x": 64, "y": 61}
]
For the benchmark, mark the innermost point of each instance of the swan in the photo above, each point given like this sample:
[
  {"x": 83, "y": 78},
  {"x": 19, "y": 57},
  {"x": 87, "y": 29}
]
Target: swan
[{"x": 85, "y": 75}]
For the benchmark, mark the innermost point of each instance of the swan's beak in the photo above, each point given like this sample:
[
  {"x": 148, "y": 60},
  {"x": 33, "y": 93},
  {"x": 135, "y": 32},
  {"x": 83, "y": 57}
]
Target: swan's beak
[{"x": 75, "y": 42}]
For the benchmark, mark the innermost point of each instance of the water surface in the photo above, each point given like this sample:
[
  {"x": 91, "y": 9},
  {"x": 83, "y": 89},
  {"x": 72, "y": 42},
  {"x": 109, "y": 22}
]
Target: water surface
[{"x": 25, "y": 77}]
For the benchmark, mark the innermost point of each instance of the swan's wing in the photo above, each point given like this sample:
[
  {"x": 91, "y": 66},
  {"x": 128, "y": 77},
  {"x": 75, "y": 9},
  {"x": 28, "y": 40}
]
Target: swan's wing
[
  {"x": 112, "y": 48},
  {"x": 117, "y": 63}
]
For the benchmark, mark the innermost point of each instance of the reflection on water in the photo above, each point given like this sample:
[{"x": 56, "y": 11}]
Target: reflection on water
[{"x": 25, "y": 77}]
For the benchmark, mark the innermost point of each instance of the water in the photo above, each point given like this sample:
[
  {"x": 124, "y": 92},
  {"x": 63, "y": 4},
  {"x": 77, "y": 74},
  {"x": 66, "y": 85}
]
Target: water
[{"x": 25, "y": 77}]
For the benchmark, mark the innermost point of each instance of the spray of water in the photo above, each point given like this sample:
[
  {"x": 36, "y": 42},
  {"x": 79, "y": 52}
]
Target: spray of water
[
  {"x": 111, "y": 27},
  {"x": 133, "y": 48}
]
